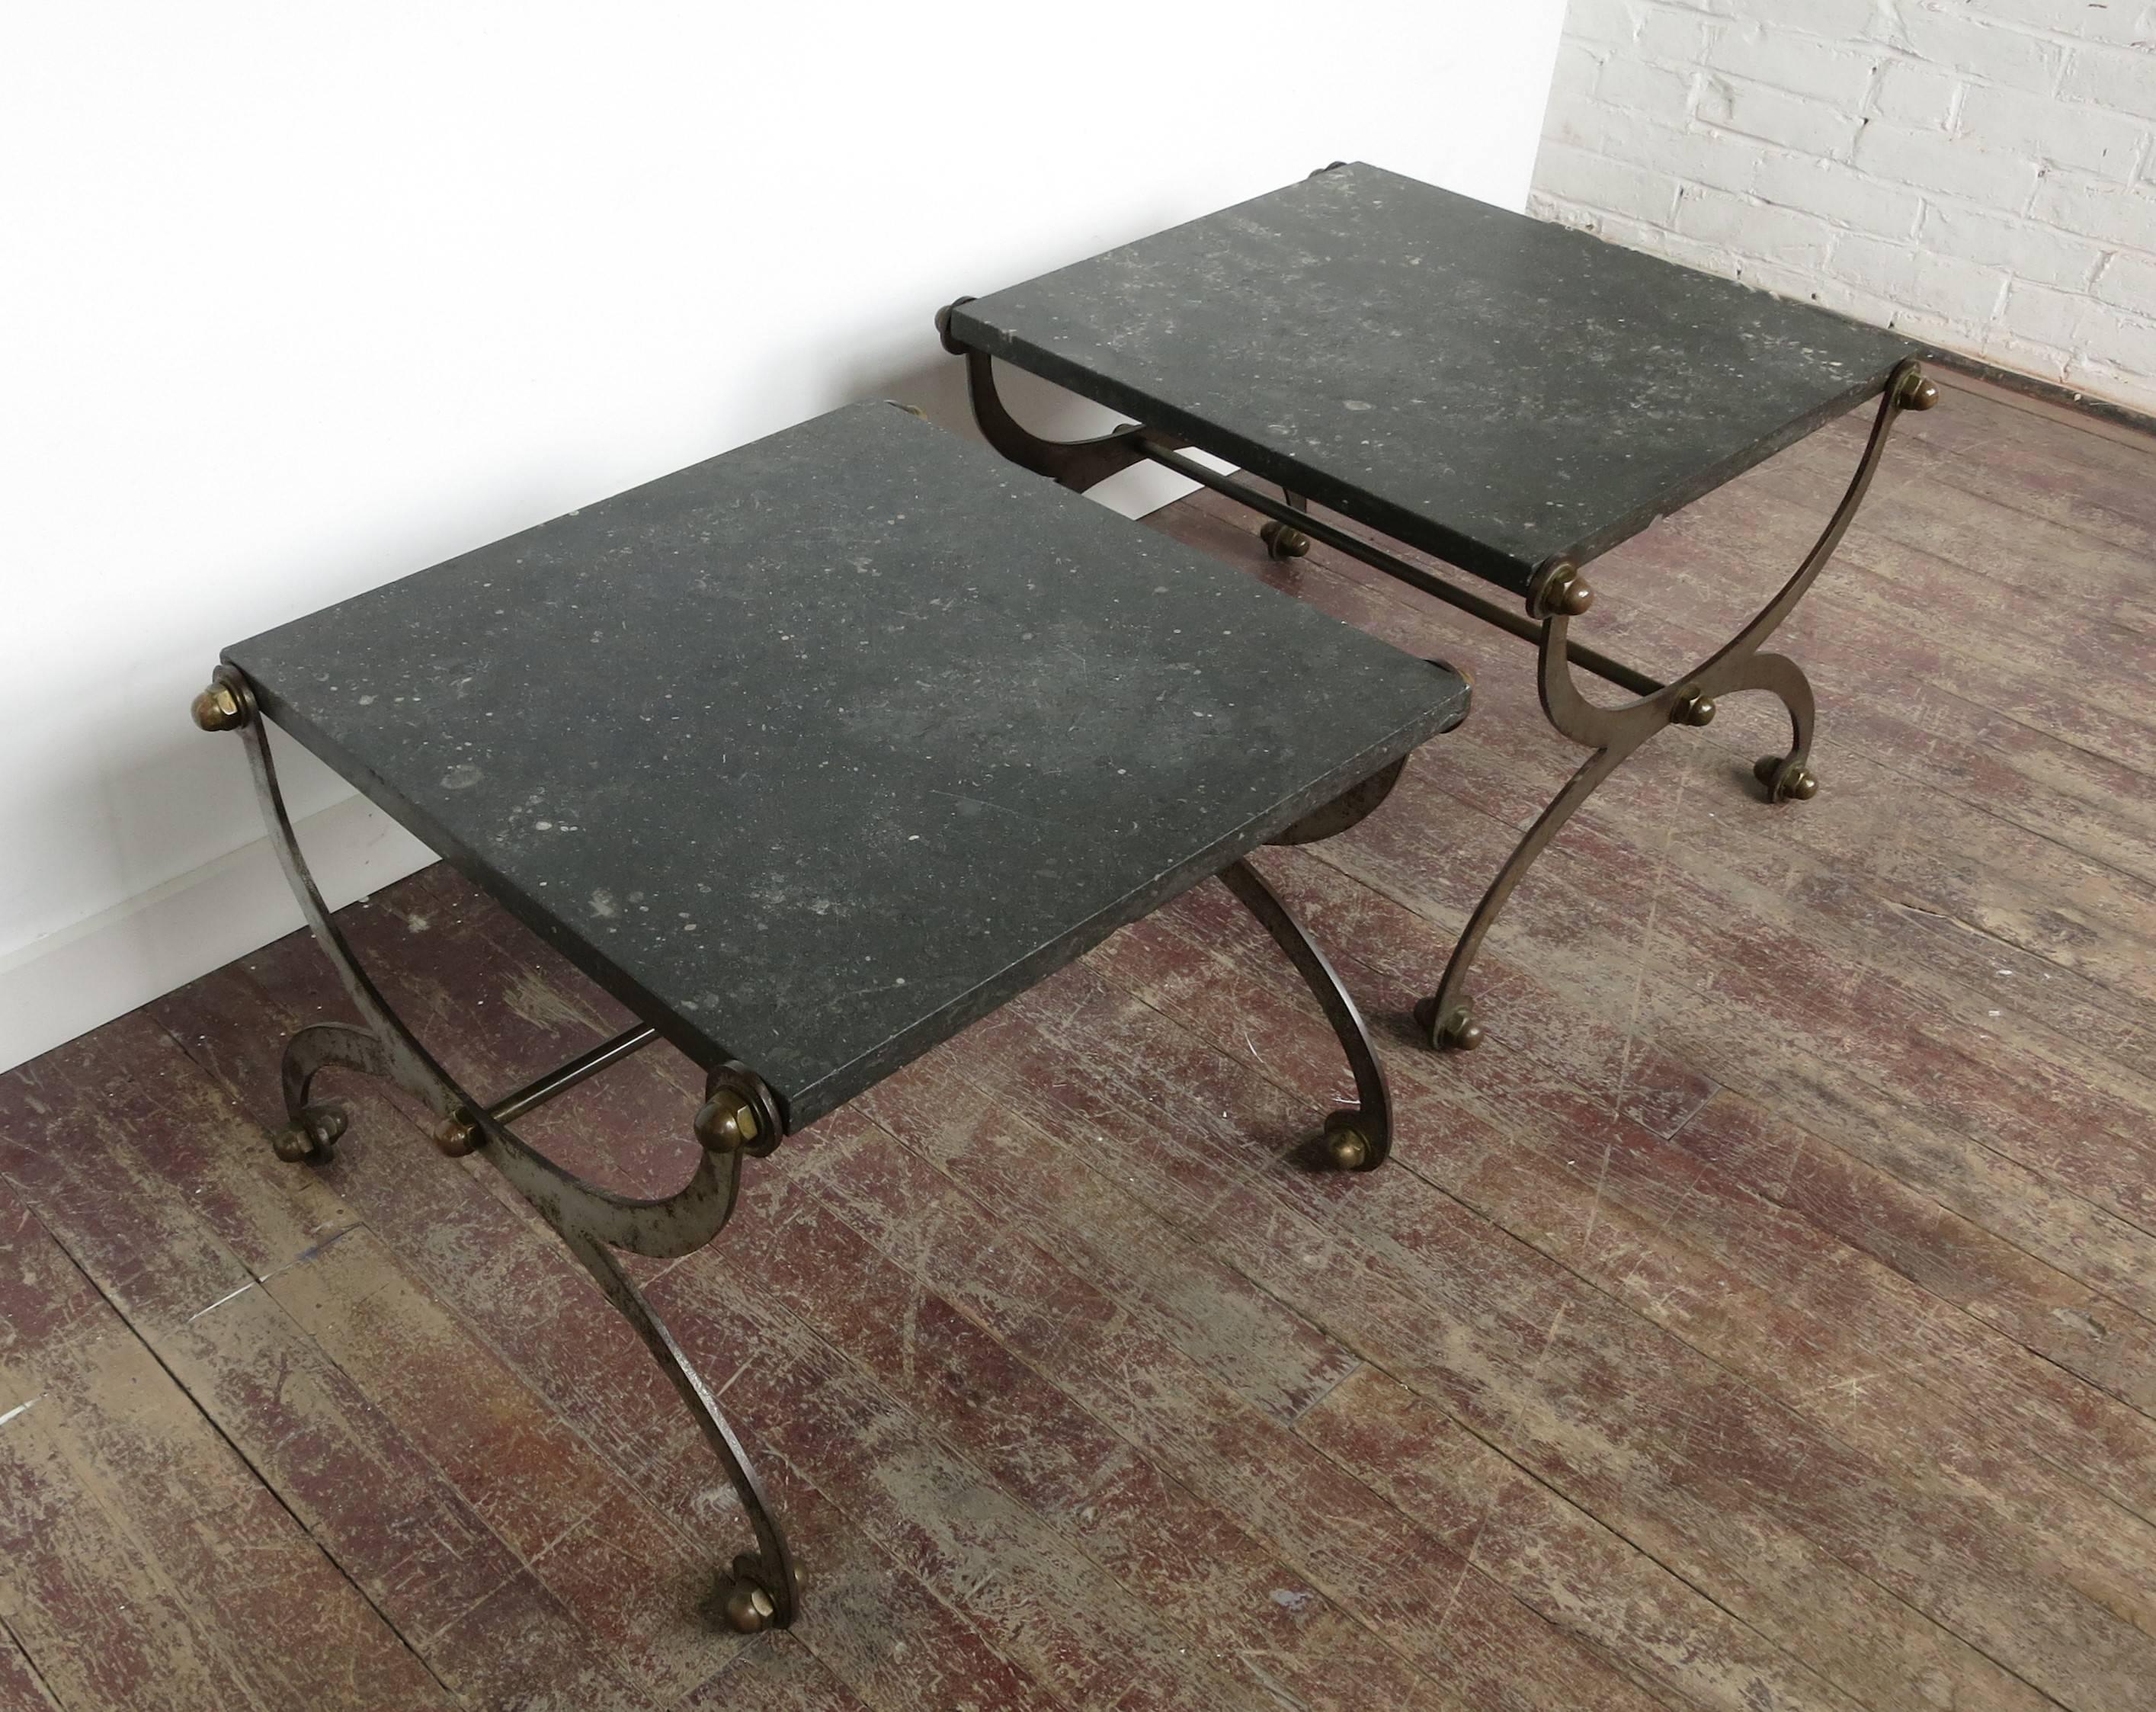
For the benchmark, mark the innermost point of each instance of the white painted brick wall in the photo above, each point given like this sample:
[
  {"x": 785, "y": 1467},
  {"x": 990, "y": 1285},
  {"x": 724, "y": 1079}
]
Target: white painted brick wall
[{"x": 1979, "y": 174}]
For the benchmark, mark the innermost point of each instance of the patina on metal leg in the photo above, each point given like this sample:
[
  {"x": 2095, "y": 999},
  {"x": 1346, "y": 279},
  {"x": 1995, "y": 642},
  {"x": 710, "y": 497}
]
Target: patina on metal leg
[
  {"x": 740, "y": 1117},
  {"x": 1614, "y": 733},
  {"x": 1362, "y": 1138}
]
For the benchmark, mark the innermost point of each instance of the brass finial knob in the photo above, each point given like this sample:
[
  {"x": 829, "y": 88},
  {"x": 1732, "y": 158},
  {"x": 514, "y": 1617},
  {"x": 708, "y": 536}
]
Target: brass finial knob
[
  {"x": 1560, "y": 590},
  {"x": 218, "y": 708},
  {"x": 943, "y": 326},
  {"x": 1919, "y": 391},
  {"x": 726, "y": 1120},
  {"x": 1695, "y": 709}
]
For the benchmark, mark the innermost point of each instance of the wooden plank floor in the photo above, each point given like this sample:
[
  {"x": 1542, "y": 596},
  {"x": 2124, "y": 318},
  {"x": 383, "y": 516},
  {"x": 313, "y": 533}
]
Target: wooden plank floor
[{"x": 1764, "y": 1319}]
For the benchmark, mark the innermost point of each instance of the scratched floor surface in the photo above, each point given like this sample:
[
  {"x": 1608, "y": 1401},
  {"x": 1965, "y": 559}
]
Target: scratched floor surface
[{"x": 1764, "y": 1318}]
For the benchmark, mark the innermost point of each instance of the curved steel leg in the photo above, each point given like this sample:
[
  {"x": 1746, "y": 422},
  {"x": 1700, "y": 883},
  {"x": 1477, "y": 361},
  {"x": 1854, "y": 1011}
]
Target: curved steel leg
[
  {"x": 1614, "y": 732},
  {"x": 762, "y": 1591},
  {"x": 740, "y": 1117},
  {"x": 1448, "y": 1015},
  {"x": 1357, "y": 1140}
]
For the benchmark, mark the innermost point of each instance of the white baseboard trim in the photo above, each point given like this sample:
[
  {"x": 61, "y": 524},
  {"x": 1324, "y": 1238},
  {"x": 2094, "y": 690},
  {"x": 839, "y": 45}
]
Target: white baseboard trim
[{"x": 70, "y": 982}]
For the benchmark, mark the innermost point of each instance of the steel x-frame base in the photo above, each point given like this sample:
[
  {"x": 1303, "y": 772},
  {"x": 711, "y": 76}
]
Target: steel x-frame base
[
  {"x": 740, "y": 1117},
  {"x": 1557, "y": 594}
]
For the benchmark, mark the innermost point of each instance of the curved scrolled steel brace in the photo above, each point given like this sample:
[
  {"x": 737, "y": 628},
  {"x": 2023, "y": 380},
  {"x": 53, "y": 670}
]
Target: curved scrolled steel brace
[
  {"x": 1077, "y": 465},
  {"x": 740, "y": 1117},
  {"x": 1614, "y": 733},
  {"x": 1362, "y": 1138},
  {"x": 1596, "y": 728},
  {"x": 312, "y": 1127}
]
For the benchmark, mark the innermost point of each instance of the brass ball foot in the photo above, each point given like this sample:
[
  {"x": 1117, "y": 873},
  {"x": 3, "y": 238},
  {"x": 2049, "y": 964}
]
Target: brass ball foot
[
  {"x": 1456, "y": 1031},
  {"x": 1347, "y": 1149},
  {"x": 746, "y": 1607},
  {"x": 1786, "y": 779},
  {"x": 1282, "y": 542},
  {"x": 1348, "y": 1146},
  {"x": 749, "y": 1608},
  {"x": 456, "y": 1137}
]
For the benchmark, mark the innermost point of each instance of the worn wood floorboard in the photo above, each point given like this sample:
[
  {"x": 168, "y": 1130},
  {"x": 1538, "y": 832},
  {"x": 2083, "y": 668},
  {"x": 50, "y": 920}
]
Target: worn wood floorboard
[
  {"x": 21, "y": 1687},
  {"x": 1598, "y": 1397},
  {"x": 1013, "y": 1424},
  {"x": 521, "y": 1296},
  {"x": 1762, "y": 1320},
  {"x": 144, "y": 1560},
  {"x": 1857, "y": 939},
  {"x": 1737, "y": 1276}
]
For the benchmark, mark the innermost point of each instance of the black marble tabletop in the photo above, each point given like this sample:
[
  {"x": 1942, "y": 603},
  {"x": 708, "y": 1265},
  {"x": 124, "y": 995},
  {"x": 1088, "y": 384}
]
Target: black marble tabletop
[
  {"x": 1493, "y": 389},
  {"x": 815, "y": 751}
]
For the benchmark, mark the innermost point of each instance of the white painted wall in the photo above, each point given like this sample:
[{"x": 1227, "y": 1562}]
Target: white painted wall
[
  {"x": 1978, "y": 173},
  {"x": 300, "y": 298}
]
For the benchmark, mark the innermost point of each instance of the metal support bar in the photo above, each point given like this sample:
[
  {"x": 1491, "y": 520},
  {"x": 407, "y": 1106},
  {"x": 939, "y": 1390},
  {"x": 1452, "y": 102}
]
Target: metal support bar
[
  {"x": 740, "y": 1118},
  {"x": 559, "y": 1081},
  {"x": 1393, "y": 565}
]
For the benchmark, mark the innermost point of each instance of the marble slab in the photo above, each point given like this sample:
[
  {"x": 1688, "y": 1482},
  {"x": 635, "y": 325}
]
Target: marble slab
[
  {"x": 1496, "y": 390},
  {"x": 814, "y": 752}
]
